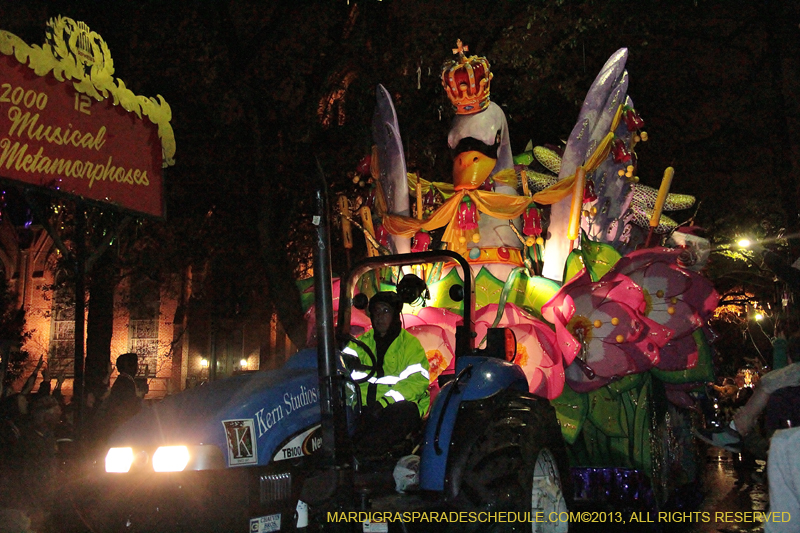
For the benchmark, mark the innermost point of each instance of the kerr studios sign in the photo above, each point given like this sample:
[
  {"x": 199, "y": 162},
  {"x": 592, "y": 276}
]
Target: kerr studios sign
[{"x": 67, "y": 125}]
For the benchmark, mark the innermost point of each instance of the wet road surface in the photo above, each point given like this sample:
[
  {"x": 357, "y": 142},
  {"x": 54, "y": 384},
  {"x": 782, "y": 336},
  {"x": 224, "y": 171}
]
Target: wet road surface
[{"x": 729, "y": 488}]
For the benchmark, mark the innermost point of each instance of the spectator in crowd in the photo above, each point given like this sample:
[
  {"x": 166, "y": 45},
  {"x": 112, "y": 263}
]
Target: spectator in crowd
[
  {"x": 783, "y": 472},
  {"x": 780, "y": 382},
  {"x": 28, "y": 458},
  {"x": 123, "y": 400},
  {"x": 745, "y": 419}
]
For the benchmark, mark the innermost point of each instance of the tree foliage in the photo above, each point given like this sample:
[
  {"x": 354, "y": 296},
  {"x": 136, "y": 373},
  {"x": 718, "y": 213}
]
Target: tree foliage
[{"x": 261, "y": 91}]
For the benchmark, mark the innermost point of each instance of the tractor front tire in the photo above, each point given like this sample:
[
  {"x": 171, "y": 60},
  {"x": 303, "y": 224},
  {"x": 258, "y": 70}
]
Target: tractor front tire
[{"x": 516, "y": 467}]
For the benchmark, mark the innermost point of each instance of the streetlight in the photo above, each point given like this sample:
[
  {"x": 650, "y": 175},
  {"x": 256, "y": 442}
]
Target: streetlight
[{"x": 203, "y": 368}]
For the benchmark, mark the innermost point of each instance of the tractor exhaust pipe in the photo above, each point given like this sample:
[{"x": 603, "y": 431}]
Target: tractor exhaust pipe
[{"x": 336, "y": 445}]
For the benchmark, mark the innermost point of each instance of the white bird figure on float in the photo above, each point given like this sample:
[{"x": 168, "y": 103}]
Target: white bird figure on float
[{"x": 481, "y": 147}]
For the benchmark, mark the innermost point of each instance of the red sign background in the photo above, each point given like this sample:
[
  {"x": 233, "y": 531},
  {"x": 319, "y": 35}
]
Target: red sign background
[{"x": 55, "y": 137}]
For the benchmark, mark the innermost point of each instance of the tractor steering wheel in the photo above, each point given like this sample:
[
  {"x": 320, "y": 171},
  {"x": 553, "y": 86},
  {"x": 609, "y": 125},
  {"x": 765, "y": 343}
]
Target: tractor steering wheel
[{"x": 372, "y": 368}]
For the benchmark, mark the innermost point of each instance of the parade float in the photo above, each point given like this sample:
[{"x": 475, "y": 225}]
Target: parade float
[
  {"x": 564, "y": 342},
  {"x": 570, "y": 252}
]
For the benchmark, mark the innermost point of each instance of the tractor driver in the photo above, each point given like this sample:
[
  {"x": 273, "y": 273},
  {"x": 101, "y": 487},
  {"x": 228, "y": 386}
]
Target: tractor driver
[{"x": 395, "y": 398}]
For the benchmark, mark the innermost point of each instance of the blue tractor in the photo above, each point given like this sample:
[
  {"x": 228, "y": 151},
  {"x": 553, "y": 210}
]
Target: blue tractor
[{"x": 272, "y": 451}]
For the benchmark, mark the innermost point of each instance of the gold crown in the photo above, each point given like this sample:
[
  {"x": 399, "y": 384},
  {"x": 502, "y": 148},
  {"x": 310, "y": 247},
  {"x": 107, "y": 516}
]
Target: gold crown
[{"x": 466, "y": 81}]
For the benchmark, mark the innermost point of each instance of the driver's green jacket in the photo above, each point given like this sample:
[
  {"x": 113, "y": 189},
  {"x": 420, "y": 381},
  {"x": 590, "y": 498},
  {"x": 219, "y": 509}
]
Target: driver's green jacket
[{"x": 405, "y": 371}]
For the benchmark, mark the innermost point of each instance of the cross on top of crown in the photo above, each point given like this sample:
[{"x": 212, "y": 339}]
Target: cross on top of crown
[{"x": 461, "y": 48}]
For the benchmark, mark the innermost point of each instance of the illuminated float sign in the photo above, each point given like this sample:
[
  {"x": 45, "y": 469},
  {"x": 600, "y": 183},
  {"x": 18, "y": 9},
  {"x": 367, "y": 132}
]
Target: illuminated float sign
[{"x": 66, "y": 124}]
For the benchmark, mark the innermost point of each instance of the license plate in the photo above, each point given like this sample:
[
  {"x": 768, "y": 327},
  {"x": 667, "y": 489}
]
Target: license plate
[
  {"x": 375, "y": 527},
  {"x": 265, "y": 524}
]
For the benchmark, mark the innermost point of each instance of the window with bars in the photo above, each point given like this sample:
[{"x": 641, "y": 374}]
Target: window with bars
[
  {"x": 143, "y": 337},
  {"x": 143, "y": 328},
  {"x": 62, "y": 326}
]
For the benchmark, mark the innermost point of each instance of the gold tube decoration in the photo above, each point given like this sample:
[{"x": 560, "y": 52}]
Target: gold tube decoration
[
  {"x": 375, "y": 172},
  {"x": 347, "y": 230},
  {"x": 663, "y": 191},
  {"x": 380, "y": 200},
  {"x": 574, "y": 228},
  {"x": 374, "y": 164},
  {"x": 366, "y": 220},
  {"x": 419, "y": 199},
  {"x": 523, "y": 175}
]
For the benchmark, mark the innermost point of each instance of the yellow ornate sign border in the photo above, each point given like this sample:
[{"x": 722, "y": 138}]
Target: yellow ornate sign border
[{"x": 73, "y": 52}]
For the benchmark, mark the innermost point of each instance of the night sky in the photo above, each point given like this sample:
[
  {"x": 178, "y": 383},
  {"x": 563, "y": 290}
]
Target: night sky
[{"x": 258, "y": 90}]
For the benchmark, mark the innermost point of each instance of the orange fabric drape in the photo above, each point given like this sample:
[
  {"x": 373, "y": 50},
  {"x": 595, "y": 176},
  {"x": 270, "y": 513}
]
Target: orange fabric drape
[{"x": 502, "y": 206}]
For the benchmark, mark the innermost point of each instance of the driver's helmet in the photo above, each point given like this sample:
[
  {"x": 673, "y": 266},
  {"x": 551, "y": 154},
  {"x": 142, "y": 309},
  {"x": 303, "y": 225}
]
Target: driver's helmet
[{"x": 389, "y": 298}]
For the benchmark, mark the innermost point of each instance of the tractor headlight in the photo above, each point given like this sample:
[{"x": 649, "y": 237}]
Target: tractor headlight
[
  {"x": 170, "y": 458},
  {"x": 119, "y": 460}
]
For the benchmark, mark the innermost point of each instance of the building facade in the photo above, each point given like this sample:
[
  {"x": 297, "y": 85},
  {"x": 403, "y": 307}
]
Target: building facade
[{"x": 172, "y": 356}]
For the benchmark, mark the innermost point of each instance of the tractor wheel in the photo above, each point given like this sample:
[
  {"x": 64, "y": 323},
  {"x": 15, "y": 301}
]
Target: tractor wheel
[{"x": 516, "y": 466}]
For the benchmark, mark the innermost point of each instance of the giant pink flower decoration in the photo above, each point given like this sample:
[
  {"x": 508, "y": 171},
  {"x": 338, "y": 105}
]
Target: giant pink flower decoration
[
  {"x": 537, "y": 351},
  {"x": 678, "y": 299},
  {"x": 439, "y": 345},
  {"x": 435, "y": 329},
  {"x": 603, "y": 324}
]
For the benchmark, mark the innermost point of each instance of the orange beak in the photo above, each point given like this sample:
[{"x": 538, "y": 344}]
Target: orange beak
[{"x": 470, "y": 170}]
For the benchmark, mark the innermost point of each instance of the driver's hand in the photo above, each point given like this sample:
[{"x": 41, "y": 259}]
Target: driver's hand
[{"x": 352, "y": 362}]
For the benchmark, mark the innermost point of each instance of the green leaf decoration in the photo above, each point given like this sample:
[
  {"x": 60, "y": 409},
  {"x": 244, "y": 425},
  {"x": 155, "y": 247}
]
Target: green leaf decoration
[
  {"x": 306, "y": 298},
  {"x": 703, "y": 371},
  {"x": 627, "y": 383},
  {"x": 573, "y": 266},
  {"x": 620, "y": 451},
  {"x": 487, "y": 288},
  {"x": 440, "y": 291},
  {"x": 597, "y": 257},
  {"x": 606, "y": 412},
  {"x": 571, "y": 408},
  {"x": 529, "y": 293},
  {"x": 525, "y": 158},
  {"x": 642, "y": 454},
  {"x": 596, "y": 445},
  {"x": 538, "y": 291}
]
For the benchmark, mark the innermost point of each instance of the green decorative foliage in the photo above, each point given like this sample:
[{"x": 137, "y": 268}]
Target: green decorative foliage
[
  {"x": 538, "y": 291},
  {"x": 440, "y": 291},
  {"x": 609, "y": 426},
  {"x": 306, "y": 288},
  {"x": 573, "y": 266},
  {"x": 597, "y": 257},
  {"x": 571, "y": 408},
  {"x": 627, "y": 383},
  {"x": 642, "y": 453},
  {"x": 606, "y": 412}
]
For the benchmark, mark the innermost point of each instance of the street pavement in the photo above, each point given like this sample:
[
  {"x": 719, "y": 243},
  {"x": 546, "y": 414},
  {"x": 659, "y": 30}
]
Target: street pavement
[{"x": 731, "y": 487}]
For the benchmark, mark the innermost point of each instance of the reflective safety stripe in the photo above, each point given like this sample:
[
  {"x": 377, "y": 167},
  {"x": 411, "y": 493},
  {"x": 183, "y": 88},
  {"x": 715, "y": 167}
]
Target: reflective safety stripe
[
  {"x": 413, "y": 369},
  {"x": 355, "y": 374},
  {"x": 395, "y": 394},
  {"x": 392, "y": 380}
]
